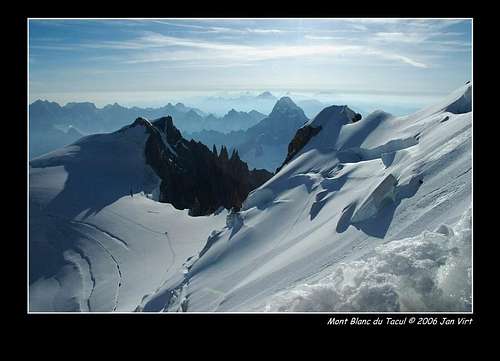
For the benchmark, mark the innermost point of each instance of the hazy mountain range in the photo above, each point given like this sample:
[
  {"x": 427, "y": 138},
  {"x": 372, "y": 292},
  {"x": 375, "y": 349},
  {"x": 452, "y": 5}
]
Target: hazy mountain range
[
  {"x": 263, "y": 145},
  {"x": 260, "y": 140},
  {"x": 53, "y": 126},
  {"x": 263, "y": 102}
]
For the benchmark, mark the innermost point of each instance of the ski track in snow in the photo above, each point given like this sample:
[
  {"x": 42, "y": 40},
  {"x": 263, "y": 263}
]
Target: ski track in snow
[
  {"x": 132, "y": 221},
  {"x": 108, "y": 252},
  {"x": 110, "y": 235},
  {"x": 173, "y": 258},
  {"x": 169, "y": 242},
  {"x": 117, "y": 265},
  {"x": 82, "y": 254},
  {"x": 185, "y": 283},
  {"x": 92, "y": 277},
  {"x": 124, "y": 244}
]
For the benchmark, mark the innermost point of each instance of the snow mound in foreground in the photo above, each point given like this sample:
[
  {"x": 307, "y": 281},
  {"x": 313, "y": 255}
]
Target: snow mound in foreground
[{"x": 429, "y": 272}]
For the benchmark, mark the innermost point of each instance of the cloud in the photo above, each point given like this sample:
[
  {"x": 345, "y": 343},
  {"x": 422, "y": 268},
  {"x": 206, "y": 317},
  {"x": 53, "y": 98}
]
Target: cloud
[
  {"x": 415, "y": 37},
  {"x": 206, "y": 53},
  {"x": 222, "y": 29},
  {"x": 404, "y": 59},
  {"x": 400, "y": 37},
  {"x": 417, "y": 42},
  {"x": 266, "y": 31},
  {"x": 203, "y": 50},
  {"x": 150, "y": 47},
  {"x": 321, "y": 37}
]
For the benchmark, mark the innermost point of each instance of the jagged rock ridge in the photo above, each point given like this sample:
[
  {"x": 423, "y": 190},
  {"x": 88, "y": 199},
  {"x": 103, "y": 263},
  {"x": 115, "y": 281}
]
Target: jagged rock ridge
[{"x": 192, "y": 176}]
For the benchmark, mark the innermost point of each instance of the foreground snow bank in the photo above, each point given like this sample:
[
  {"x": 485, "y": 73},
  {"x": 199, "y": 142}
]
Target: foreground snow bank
[{"x": 429, "y": 272}]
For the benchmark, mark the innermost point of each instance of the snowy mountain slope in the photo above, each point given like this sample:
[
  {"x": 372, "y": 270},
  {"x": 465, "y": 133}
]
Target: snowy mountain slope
[
  {"x": 383, "y": 203},
  {"x": 92, "y": 246}
]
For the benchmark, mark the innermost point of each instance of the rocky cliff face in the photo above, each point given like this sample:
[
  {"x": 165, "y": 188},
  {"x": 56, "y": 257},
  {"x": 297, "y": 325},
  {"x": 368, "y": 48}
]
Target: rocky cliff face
[
  {"x": 194, "y": 177},
  {"x": 299, "y": 141}
]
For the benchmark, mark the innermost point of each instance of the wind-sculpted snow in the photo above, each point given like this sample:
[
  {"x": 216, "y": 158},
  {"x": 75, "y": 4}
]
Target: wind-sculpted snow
[
  {"x": 369, "y": 195},
  {"x": 371, "y": 215},
  {"x": 429, "y": 272},
  {"x": 383, "y": 194}
]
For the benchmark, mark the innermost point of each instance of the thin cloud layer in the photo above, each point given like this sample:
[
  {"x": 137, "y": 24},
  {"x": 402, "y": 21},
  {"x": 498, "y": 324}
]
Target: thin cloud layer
[{"x": 274, "y": 52}]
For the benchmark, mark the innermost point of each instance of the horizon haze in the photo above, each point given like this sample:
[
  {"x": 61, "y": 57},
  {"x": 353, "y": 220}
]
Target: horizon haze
[{"x": 150, "y": 62}]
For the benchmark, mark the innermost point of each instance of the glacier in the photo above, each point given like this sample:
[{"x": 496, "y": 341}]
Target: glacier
[{"x": 368, "y": 216}]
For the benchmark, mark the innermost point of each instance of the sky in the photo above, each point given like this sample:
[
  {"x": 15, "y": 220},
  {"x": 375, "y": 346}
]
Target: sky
[{"x": 130, "y": 61}]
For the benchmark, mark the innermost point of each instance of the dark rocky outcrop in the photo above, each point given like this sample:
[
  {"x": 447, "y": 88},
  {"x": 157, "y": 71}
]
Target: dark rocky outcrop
[
  {"x": 301, "y": 138},
  {"x": 193, "y": 176},
  {"x": 356, "y": 118}
]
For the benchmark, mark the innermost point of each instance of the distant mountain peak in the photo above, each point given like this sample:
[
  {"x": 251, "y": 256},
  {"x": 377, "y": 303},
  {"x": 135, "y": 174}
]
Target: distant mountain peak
[
  {"x": 266, "y": 95},
  {"x": 285, "y": 104},
  {"x": 193, "y": 113},
  {"x": 285, "y": 100},
  {"x": 44, "y": 104},
  {"x": 181, "y": 107},
  {"x": 40, "y": 101},
  {"x": 115, "y": 105},
  {"x": 81, "y": 106}
]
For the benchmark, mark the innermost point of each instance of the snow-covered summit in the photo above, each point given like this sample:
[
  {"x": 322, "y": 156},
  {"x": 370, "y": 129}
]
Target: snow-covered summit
[
  {"x": 329, "y": 121},
  {"x": 338, "y": 114}
]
